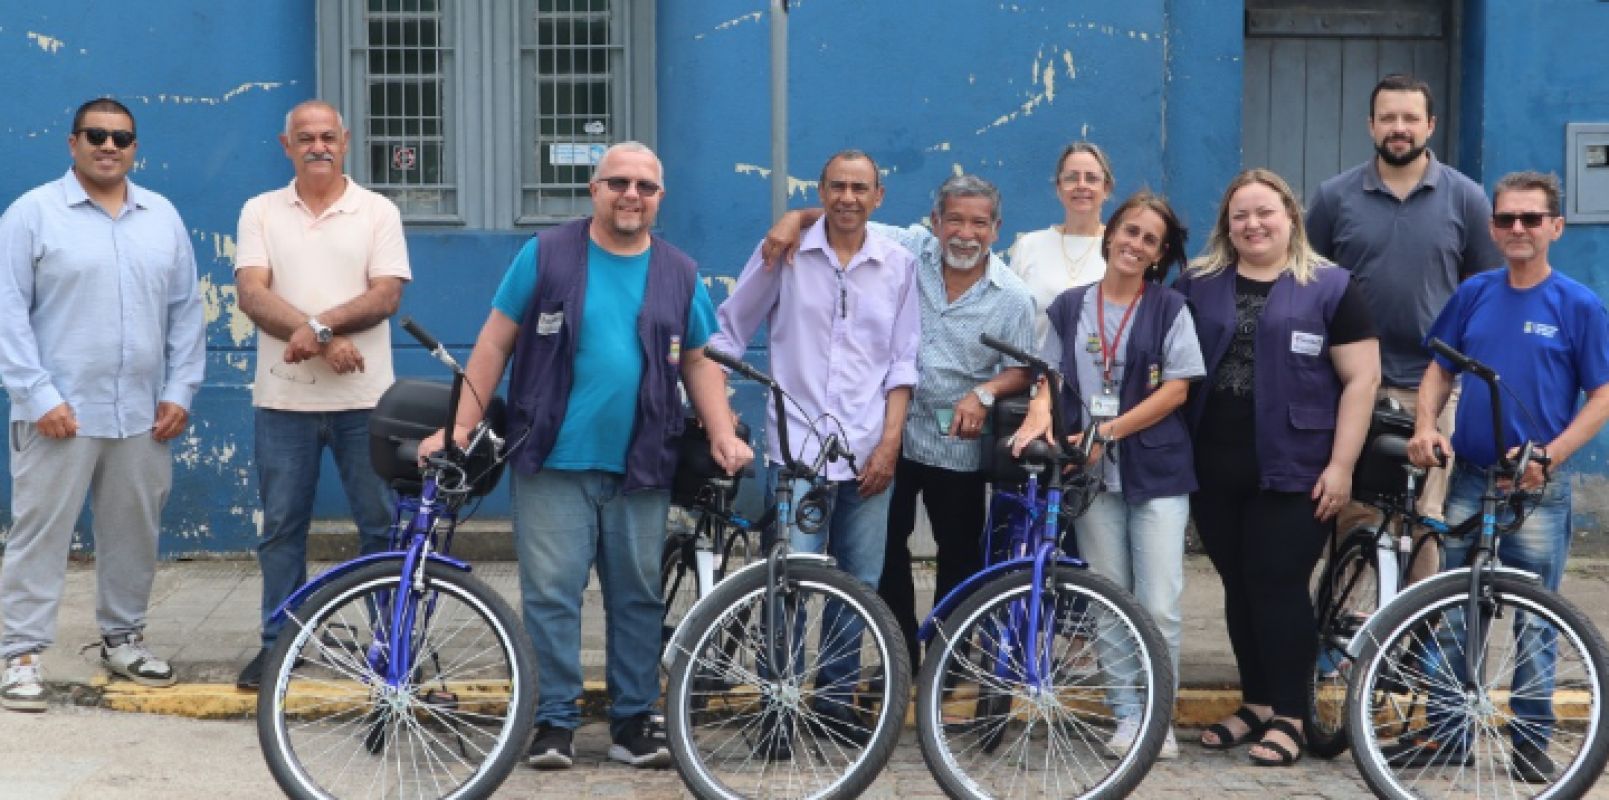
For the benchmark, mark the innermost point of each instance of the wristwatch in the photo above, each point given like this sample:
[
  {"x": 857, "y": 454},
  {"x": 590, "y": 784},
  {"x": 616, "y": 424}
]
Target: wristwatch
[
  {"x": 321, "y": 331},
  {"x": 984, "y": 396}
]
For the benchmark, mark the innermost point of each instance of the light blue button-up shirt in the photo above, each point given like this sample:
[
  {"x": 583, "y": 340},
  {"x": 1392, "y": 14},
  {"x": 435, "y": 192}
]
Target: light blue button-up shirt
[
  {"x": 951, "y": 360},
  {"x": 96, "y": 311}
]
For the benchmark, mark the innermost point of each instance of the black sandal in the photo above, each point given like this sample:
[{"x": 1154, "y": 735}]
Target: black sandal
[
  {"x": 1227, "y": 740},
  {"x": 1286, "y": 757}
]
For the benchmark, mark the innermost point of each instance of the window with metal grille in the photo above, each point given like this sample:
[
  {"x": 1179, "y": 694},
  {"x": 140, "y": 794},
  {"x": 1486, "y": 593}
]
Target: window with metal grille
[
  {"x": 406, "y": 118},
  {"x": 444, "y": 127}
]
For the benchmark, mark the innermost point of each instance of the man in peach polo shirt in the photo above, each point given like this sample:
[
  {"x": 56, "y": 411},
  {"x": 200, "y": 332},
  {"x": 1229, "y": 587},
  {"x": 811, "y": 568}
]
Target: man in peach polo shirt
[{"x": 320, "y": 266}]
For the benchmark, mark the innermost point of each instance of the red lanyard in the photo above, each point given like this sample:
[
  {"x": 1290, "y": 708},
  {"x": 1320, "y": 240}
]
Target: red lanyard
[{"x": 1109, "y": 351}]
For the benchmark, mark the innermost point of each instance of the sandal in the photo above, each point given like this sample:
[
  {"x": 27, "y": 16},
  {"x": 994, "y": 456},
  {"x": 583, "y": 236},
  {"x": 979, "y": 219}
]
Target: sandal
[
  {"x": 1286, "y": 757},
  {"x": 1227, "y": 740}
]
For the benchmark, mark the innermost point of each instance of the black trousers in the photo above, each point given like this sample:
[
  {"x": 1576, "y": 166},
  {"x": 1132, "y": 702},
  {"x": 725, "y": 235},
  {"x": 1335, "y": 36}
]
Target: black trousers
[
  {"x": 1264, "y": 545},
  {"x": 955, "y": 507}
]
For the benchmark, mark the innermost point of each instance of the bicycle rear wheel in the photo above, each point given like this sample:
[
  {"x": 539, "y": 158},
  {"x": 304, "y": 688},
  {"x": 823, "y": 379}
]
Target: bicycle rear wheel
[
  {"x": 331, "y": 727},
  {"x": 743, "y": 724},
  {"x": 1346, "y": 594},
  {"x": 989, "y": 731},
  {"x": 1518, "y": 719}
]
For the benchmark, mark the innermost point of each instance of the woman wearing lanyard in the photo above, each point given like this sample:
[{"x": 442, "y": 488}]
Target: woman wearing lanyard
[
  {"x": 1060, "y": 257},
  {"x": 1128, "y": 350},
  {"x": 1292, "y": 366}
]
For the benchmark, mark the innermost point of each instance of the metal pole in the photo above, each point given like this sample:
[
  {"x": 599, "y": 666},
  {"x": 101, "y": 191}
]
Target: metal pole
[{"x": 779, "y": 108}]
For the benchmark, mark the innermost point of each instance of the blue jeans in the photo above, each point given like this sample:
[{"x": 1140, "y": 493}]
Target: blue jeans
[
  {"x": 1540, "y": 546},
  {"x": 565, "y": 523},
  {"x": 856, "y": 535},
  {"x": 289, "y": 448},
  {"x": 1140, "y": 548}
]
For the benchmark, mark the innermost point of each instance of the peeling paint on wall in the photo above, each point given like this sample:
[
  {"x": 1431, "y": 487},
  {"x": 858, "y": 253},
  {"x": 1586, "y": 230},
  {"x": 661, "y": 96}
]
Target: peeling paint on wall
[
  {"x": 216, "y": 301},
  {"x": 802, "y": 187},
  {"x": 734, "y": 22},
  {"x": 49, "y": 44}
]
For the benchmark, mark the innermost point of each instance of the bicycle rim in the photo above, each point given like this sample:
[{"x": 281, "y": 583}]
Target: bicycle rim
[
  {"x": 822, "y": 727},
  {"x": 1406, "y": 679},
  {"x": 988, "y": 730},
  {"x": 331, "y": 727},
  {"x": 1347, "y": 593}
]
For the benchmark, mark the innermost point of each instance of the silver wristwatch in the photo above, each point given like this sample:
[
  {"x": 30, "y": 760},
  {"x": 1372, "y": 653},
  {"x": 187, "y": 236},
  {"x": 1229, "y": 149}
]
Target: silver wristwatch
[
  {"x": 321, "y": 331},
  {"x": 984, "y": 396}
]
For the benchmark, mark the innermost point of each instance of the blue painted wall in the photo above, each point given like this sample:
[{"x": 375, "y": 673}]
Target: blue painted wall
[{"x": 930, "y": 88}]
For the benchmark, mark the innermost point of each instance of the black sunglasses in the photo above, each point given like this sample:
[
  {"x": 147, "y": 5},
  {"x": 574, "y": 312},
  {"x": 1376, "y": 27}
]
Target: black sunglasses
[
  {"x": 97, "y": 137},
  {"x": 1530, "y": 219},
  {"x": 620, "y": 185}
]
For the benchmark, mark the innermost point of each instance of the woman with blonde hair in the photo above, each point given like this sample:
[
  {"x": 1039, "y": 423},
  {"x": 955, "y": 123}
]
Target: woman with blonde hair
[
  {"x": 1292, "y": 364},
  {"x": 1060, "y": 257}
]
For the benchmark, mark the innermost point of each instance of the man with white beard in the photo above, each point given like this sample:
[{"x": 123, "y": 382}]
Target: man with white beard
[{"x": 966, "y": 290}]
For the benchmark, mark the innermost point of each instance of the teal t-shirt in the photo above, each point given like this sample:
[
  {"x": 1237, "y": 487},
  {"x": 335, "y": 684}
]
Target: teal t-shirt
[{"x": 598, "y": 424}]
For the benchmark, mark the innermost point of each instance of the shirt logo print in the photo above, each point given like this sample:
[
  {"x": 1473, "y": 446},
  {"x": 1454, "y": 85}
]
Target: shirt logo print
[{"x": 1541, "y": 329}]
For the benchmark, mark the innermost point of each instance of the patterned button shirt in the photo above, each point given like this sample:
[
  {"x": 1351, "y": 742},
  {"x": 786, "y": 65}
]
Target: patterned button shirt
[{"x": 951, "y": 360}]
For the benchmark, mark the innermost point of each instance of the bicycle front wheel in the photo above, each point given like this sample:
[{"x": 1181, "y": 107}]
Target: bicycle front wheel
[
  {"x": 1347, "y": 592},
  {"x": 331, "y": 726},
  {"x": 801, "y": 698},
  {"x": 1521, "y": 727},
  {"x": 1078, "y": 707}
]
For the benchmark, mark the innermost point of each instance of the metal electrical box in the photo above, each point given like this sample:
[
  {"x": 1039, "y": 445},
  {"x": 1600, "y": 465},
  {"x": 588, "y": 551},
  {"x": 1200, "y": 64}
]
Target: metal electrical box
[{"x": 1586, "y": 179}]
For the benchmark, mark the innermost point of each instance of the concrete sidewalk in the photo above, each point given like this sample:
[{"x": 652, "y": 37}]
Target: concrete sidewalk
[{"x": 204, "y": 617}]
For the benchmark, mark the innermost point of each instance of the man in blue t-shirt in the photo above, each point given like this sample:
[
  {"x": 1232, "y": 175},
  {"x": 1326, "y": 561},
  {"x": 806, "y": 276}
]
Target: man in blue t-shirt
[
  {"x": 600, "y": 318},
  {"x": 1547, "y": 336}
]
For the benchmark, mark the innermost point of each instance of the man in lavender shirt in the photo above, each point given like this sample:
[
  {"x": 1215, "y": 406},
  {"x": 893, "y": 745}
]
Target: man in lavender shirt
[{"x": 843, "y": 325}]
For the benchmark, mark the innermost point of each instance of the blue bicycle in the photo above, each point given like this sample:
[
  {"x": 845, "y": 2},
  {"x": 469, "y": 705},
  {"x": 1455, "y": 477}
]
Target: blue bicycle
[
  {"x": 1030, "y": 662},
  {"x": 399, "y": 674}
]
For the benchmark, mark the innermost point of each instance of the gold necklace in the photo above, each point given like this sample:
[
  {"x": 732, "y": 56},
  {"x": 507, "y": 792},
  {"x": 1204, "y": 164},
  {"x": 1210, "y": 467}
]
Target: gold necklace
[{"x": 1074, "y": 264}]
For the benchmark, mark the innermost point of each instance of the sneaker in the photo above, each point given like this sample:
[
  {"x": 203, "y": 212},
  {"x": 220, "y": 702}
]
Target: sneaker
[
  {"x": 1128, "y": 729},
  {"x": 1421, "y": 751},
  {"x": 252, "y": 675},
  {"x": 551, "y": 748},
  {"x": 1530, "y": 763},
  {"x": 641, "y": 742},
  {"x": 128, "y": 657},
  {"x": 1170, "y": 747},
  {"x": 24, "y": 687}
]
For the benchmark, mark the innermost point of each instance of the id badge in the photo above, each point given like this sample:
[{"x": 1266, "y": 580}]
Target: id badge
[{"x": 1103, "y": 406}]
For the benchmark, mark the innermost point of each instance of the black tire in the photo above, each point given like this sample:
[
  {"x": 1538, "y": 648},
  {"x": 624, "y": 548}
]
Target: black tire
[
  {"x": 678, "y": 583},
  {"x": 994, "y": 752},
  {"x": 1346, "y": 594},
  {"x": 329, "y": 728},
  {"x": 1397, "y": 660},
  {"x": 832, "y": 749}
]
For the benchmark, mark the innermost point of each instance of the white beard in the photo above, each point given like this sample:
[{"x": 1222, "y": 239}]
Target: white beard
[{"x": 954, "y": 260}]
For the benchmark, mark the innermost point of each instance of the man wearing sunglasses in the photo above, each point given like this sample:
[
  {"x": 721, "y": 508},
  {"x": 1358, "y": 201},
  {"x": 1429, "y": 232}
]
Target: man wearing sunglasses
[
  {"x": 319, "y": 265},
  {"x": 1411, "y": 228},
  {"x": 601, "y": 318},
  {"x": 102, "y": 345},
  {"x": 1547, "y": 336}
]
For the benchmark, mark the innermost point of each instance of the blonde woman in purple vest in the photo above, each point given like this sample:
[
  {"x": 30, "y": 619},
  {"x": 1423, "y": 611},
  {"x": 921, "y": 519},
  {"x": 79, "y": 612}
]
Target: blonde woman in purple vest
[
  {"x": 1127, "y": 349},
  {"x": 1292, "y": 366}
]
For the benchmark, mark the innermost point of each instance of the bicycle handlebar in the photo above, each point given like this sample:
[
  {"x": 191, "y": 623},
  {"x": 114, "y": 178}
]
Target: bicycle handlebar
[
  {"x": 831, "y": 448},
  {"x": 737, "y": 365},
  {"x": 1490, "y": 377},
  {"x": 1080, "y": 453}
]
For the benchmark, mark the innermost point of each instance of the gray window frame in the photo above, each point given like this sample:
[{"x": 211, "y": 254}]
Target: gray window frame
[{"x": 483, "y": 100}]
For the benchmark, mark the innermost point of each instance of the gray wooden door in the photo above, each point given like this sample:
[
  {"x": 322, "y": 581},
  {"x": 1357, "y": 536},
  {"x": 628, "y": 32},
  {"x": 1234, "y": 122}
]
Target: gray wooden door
[{"x": 1310, "y": 67}]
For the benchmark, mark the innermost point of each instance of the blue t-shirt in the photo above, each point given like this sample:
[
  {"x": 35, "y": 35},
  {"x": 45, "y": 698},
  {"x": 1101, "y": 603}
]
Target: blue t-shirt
[
  {"x": 597, "y": 427},
  {"x": 1548, "y": 343}
]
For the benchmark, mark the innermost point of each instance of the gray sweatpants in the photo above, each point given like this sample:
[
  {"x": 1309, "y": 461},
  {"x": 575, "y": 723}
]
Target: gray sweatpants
[{"x": 127, "y": 482}]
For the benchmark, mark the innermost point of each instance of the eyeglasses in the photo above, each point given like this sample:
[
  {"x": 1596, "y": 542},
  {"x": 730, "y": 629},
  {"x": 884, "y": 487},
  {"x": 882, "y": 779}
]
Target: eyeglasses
[
  {"x": 620, "y": 185},
  {"x": 97, "y": 137},
  {"x": 1530, "y": 219}
]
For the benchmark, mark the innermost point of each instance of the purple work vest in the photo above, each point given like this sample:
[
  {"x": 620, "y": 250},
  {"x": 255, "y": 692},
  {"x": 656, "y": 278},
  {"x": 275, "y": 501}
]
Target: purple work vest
[
  {"x": 1296, "y": 392},
  {"x": 1158, "y": 461},
  {"x": 544, "y": 355}
]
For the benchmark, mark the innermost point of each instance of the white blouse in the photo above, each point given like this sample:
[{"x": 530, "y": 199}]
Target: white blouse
[{"x": 1051, "y": 263}]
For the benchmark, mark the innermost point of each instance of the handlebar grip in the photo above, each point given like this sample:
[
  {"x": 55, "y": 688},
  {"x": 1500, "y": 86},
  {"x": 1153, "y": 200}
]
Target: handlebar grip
[
  {"x": 1446, "y": 351},
  {"x": 418, "y": 332},
  {"x": 1441, "y": 456},
  {"x": 1010, "y": 350},
  {"x": 737, "y": 365}
]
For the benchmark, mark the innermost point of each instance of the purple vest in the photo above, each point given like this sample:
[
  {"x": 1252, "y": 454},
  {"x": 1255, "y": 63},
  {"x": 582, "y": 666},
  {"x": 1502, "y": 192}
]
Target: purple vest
[
  {"x": 544, "y": 363},
  {"x": 1296, "y": 392},
  {"x": 1158, "y": 461}
]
